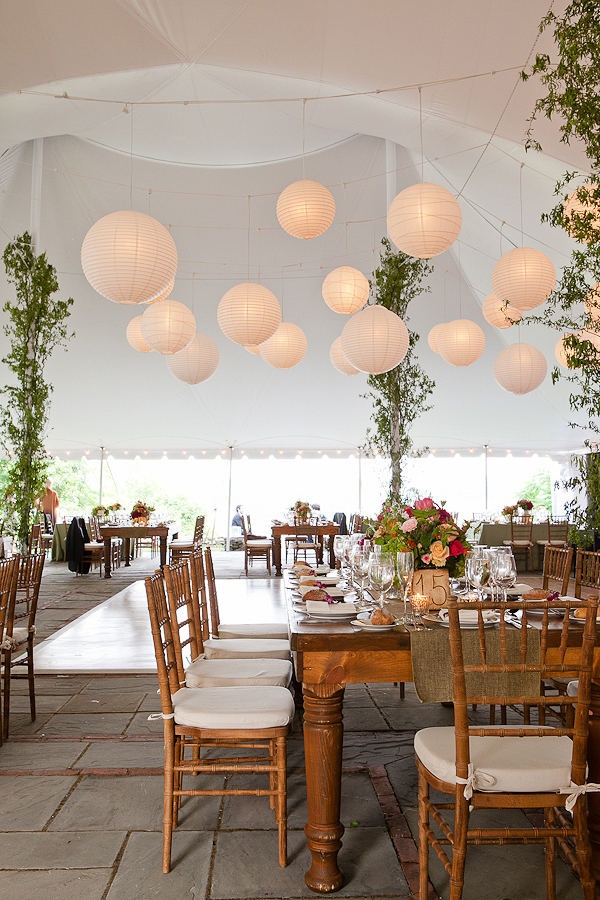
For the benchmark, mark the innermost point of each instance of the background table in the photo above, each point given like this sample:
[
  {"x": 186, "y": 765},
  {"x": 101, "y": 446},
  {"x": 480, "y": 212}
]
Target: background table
[
  {"x": 494, "y": 535},
  {"x": 127, "y": 532},
  {"x": 319, "y": 531}
]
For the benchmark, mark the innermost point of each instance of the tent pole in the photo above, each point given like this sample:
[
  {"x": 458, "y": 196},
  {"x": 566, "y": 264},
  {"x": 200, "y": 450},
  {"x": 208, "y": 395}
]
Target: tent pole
[
  {"x": 485, "y": 474},
  {"x": 101, "y": 475},
  {"x": 360, "y": 480},
  {"x": 35, "y": 204},
  {"x": 228, "y": 541}
]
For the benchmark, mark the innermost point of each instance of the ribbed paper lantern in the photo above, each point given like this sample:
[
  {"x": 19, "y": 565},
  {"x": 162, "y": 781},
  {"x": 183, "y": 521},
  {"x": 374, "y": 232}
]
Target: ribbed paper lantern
[
  {"x": 461, "y": 342},
  {"x": 520, "y": 368},
  {"x": 166, "y": 293},
  {"x": 135, "y": 337},
  {"x": 592, "y": 303},
  {"x": 305, "y": 209},
  {"x": 375, "y": 340},
  {"x": 345, "y": 290},
  {"x": 338, "y": 359},
  {"x": 128, "y": 257},
  {"x": 254, "y": 349},
  {"x": 498, "y": 313},
  {"x": 525, "y": 277},
  {"x": 248, "y": 314},
  {"x": 561, "y": 352},
  {"x": 586, "y": 335},
  {"x": 580, "y": 207},
  {"x": 286, "y": 348},
  {"x": 424, "y": 220},
  {"x": 168, "y": 326},
  {"x": 196, "y": 362},
  {"x": 433, "y": 338}
]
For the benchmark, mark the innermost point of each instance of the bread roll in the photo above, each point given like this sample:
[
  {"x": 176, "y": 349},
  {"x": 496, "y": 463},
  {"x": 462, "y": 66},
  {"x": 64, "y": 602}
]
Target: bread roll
[
  {"x": 537, "y": 594},
  {"x": 381, "y": 617},
  {"x": 315, "y": 594}
]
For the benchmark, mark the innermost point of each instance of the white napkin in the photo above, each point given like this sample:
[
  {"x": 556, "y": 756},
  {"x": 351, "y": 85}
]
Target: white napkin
[
  {"x": 469, "y": 616},
  {"x": 320, "y": 579},
  {"x": 321, "y": 607},
  {"x": 331, "y": 590},
  {"x": 308, "y": 579},
  {"x": 322, "y": 570},
  {"x": 520, "y": 589}
]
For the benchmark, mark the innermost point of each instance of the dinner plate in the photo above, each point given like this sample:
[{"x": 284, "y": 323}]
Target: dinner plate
[
  {"x": 491, "y": 618},
  {"x": 326, "y": 616},
  {"x": 363, "y": 621}
]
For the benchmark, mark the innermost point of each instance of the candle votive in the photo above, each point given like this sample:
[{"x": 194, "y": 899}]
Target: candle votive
[{"x": 420, "y": 603}]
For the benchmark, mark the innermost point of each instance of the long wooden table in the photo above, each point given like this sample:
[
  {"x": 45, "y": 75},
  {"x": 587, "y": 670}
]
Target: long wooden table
[
  {"x": 319, "y": 531},
  {"x": 127, "y": 532},
  {"x": 327, "y": 658}
]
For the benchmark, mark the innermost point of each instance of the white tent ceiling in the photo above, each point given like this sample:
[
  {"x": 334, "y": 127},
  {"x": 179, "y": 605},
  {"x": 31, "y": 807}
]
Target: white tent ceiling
[{"x": 198, "y": 113}]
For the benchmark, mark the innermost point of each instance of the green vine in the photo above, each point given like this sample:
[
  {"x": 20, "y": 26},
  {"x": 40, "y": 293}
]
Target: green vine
[
  {"x": 36, "y": 326},
  {"x": 401, "y": 395}
]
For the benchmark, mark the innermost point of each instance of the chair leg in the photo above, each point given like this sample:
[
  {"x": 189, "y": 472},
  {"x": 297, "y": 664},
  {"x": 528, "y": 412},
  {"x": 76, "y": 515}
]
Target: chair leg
[
  {"x": 423, "y": 789},
  {"x": 550, "y": 847},
  {"x": 6, "y": 698},
  {"x": 459, "y": 850},
  {"x": 31, "y": 677},
  {"x": 169, "y": 775},
  {"x": 281, "y": 798}
]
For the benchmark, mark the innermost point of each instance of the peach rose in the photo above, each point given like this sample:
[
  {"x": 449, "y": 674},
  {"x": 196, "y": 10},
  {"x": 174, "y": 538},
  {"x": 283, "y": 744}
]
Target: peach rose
[{"x": 439, "y": 553}]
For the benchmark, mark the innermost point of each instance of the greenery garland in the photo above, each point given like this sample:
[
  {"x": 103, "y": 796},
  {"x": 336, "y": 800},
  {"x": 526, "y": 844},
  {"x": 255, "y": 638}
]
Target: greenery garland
[
  {"x": 401, "y": 395},
  {"x": 36, "y": 326}
]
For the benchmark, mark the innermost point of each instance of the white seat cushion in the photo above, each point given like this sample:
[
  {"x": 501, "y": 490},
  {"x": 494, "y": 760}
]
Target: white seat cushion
[
  {"x": 20, "y": 635},
  {"x": 246, "y": 648},
  {"x": 267, "y": 630},
  {"x": 181, "y": 542},
  {"x": 259, "y": 545},
  {"x": 233, "y": 707},
  {"x": 517, "y": 765},
  {"x": 227, "y": 672}
]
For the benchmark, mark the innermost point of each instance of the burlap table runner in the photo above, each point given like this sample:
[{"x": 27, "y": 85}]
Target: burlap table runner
[{"x": 432, "y": 664}]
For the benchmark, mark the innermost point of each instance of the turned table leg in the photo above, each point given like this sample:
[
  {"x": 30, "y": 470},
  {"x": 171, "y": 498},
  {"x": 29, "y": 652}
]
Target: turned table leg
[
  {"x": 323, "y": 740},
  {"x": 593, "y": 799},
  {"x": 107, "y": 549}
]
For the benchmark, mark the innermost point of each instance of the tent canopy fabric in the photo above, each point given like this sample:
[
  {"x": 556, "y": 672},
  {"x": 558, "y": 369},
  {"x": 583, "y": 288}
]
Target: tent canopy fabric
[{"x": 200, "y": 114}]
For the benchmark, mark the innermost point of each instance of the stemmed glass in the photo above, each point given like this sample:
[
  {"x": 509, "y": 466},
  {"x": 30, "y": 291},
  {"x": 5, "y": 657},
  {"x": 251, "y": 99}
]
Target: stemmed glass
[
  {"x": 338, "y": 548},
  {"x": 360, "y": 562},
  {"x": 380, "y": 570},
  {"x": 504, "y": 572},
  {"x": 405, "y": 569},
  {"x": 477, "y": 572}
]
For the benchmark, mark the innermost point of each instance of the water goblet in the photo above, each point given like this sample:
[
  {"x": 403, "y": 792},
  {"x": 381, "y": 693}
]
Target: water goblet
[
  {"x": 380, "y": 570},
  {"x": 405, "y": 569},
  {"x": 504, "y": 572},
  {"x": 360, "y": 562},
  {"x": 338, "y": 547}
]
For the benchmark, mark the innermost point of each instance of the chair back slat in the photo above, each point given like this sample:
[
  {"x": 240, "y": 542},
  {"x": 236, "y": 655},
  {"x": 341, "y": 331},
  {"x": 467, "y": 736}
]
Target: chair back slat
[
  {"x": 29, "y": 580},
  {"x": 8, "y": 584},
  {"x": 557, "y": 567},
  {"x": 198, "y": 581},
  {"x": 521, "y": 528},
  {"x": 558, "y": 529},
  {"x": 162, "y": 637},
  {"x": 198, "y": 531},
  {"x": 213, "y": 601},
  {"x": 587, "y": 570},
  {"x": 184, "y": 614}
]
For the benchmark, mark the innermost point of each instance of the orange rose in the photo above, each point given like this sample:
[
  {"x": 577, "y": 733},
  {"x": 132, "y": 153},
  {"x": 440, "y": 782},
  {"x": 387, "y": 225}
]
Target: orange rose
[{"x": 439, "y": 553}]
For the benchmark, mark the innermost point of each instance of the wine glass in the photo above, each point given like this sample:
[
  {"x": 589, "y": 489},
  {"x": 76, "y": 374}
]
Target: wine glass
[
  {"x": 504, "y": 572},
  {"x": 360, "y": 562},
  {"x": 475, "y": 571},
  {"x": 405, "y": 569},
  {"x": 380, "y": 570},
  {"x": 338, "y": 547}
]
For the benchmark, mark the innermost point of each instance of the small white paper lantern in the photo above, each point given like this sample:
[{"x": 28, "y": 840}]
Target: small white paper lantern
[
  {"x": 248, "y": 314},
  {"x": 135, "y": 337},
  {"x": 338, "y": 359},
  {"x": 561, "y": 352},
  {"x": 168, "y": 326},
  {"x": 345, "y": 290},
  {"x": 196, "y": 362},
  {"x": 375, "y": 340},
  {"x": 128, "y": 257},
  {"x": 286, "y": 348},
  {"x": 498, "y": 313},
  {"x": 576, "y": 208},
  {"x": 433, "y": 338},
  {"x": 424, "y": 220},
  {"x": 524, "y": 277},
  {"x": 305, "y": 209},
  {"x": 520, "y": 368},
  {"x": 461, "y": 342}
]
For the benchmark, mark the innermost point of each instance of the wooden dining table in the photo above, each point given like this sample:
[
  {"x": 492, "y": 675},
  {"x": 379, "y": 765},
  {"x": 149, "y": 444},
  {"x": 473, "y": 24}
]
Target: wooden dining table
[
  {"x": 320, "y": 531},
  {"x": 327, "y": 657},
  {"x": 129, "y": 532}
]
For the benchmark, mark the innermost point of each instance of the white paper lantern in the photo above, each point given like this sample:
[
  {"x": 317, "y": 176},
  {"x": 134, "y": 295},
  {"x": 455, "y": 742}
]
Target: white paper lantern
[
  {"x": 286, "y": 348},
  {"x": 520, "y": 368},
  {"x": 168, "y": 326},
  {"x": 498, "y": 313},
  {"x": 248, "y": 314},
  {"x": 305, "y": 209},
  {"x": 582, "y": 214},
  {"x": 587, "y": 335},
  {"x": 433, "y": 338},
  {"x": 424, "y": 220},
  {"x": 562, "y": 352},
  {"x": 461, "y": 342},
  {"x": 196, "y": 362},
  {"x": 338, "y": 359},
  {"x": 166, "y": 293},
  {"x": 345, "y": 290},
  {"x": 254, "y": 349},
  {"x": 135, "y": 337},
  {"x": 592, "y": 303},
  {"x": 375, "y": 340},
  {"x": 524, "y": 277},
  {"x": 128, "y": 257}
]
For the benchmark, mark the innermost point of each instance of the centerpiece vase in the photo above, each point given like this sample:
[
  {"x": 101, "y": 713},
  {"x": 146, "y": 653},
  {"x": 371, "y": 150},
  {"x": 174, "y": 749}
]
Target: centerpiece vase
[
  {"x": 141, "y": 520},
  {"x": 434, "y": 583}
]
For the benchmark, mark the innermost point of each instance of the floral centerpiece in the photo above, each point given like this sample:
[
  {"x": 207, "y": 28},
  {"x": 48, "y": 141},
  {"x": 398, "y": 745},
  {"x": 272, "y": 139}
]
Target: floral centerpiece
[
  {"x": 510, "y": 510},
  {"x": 100, "y": 511},
  {"x": 301, "y": 510},
  {"x": 141, "y": 512},
  {"x": 525, "y": 505},
  {"x": 427, "y": 530}
]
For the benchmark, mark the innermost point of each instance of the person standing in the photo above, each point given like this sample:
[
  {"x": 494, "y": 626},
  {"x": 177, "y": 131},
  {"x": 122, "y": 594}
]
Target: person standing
[{"x": 49, "y": 502}]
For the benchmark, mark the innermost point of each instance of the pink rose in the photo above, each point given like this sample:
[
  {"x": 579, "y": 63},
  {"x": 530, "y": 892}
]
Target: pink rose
[
  {"x": 408, "y": 511},
  {"x": 426, "y": 558},
  {"x": 425, "y": 503},
  {"x": 445, "y": 515},
  {"x": 456, "y": 548},
  {"x": 409, "y": 525}
]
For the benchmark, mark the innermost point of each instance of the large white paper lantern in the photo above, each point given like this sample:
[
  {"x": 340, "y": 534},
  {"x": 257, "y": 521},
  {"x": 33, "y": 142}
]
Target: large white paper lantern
[
  {"x": 286, "y": 348},
  {"x": 524, "y": 277},
  {"x": 424, "y": 220},
  {"x": 196, "y": 362},
  {"x": 375, "y": 340},
  {"x": 248, "y": 314},
  {"x": 254, "y": 349},
  {"x": 163, "y": 296},
  {"x": 135, "y": 337},
  {"x": 168, "y": 326},
  {"x": 338, "y": 359},
  {"x": 520, "y": 368},
  {"x": 576, "y": 208},
  {"x": 305, "y": 209},
  {"x": 129, "y": 257},
  {"x": 498, "y": 313},
  {"x": 433, "y": 338},
  {"x": 345, "y": 290},
  {"x": 461, "y": 342},
  {"x": 592, "y": 303}
]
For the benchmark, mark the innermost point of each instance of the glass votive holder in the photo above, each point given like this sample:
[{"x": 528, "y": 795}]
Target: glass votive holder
[{"x": 420, "y": 603}]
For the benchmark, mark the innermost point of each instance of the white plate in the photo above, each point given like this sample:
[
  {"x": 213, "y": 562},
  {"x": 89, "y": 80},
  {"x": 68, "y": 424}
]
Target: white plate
[
  {"x": 332, "y": 617},
  {"x": 363, "y": 621},
  {"x": 491, "y": 618}
]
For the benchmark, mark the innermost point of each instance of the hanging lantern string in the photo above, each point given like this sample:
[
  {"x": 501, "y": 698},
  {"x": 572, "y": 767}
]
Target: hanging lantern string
[
  {"x": 248, "y": 239},
  {"x": 131, "y": 160},
  {"x": 521, "y": 198},
  {"x": 303, "y": 121},
  {"x": 421, "y": 132}
]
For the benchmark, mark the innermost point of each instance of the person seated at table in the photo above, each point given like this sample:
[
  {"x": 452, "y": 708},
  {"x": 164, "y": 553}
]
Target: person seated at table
[{"x": 237, "y": 521}]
